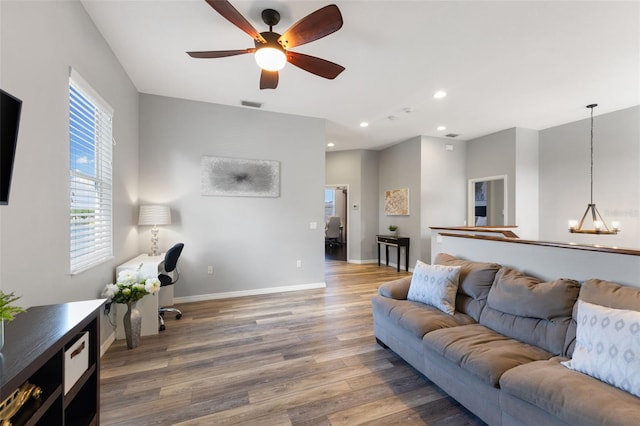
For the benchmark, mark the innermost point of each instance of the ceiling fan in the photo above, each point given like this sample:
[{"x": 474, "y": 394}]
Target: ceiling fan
[{"x": 272, "y": 49}]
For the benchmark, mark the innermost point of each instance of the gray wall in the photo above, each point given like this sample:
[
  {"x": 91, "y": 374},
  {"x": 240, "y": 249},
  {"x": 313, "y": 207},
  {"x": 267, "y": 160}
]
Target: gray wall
[
  {"x": 495, "y": 155},
  {"x": 252, "y": 243},
  {"x": 400, "y": 167},
  {"x": 35, "y": 224},
  {"x": 526, "y": 183},
  {"x": 443, "y": 192},
  {"x": 564, "y": 177},
  {"x": 495, "y": 201},
  {"x": 514, "y": 153},
  {"x": 369, "y": 204},
  {"x": 436, "y": 180},
  {"x": 39, "y": 42}
]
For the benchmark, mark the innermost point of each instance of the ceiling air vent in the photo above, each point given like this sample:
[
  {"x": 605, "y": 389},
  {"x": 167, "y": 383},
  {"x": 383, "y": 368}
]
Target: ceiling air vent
[
  {"x": 252, "y": 104},
  {"x": 452, "y": 135}
]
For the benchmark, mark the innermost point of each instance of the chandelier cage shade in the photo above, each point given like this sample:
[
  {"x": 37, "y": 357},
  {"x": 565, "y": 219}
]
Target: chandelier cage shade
[
  {"x": 154, "y": 215},
  {"x": 599, "y": 224}
]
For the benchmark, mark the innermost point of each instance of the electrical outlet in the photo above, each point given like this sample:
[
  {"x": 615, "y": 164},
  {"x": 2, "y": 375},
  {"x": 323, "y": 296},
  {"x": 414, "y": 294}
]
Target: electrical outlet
[
  {"x": 299, "y": 264},
  {"x": 210, "y": 270}
]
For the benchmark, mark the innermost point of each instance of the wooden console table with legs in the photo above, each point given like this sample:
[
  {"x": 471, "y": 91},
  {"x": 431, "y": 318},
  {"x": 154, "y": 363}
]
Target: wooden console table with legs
[{"x": 393, "y": 241}]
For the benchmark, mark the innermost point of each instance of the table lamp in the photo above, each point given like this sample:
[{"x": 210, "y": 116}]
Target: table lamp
[{"x": 154, "y": 215}]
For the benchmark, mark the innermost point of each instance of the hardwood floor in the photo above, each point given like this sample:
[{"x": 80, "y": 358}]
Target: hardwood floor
[{"x": 295, "y": 358}]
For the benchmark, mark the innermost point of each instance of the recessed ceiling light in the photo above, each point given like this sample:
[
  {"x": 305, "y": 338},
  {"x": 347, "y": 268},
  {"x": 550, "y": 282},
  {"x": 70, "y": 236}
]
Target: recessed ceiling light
[
  {"x": 441, "y": 128},
  {"x": 364, "y": 124},
  {"x": 331, "y": 144},
  {"x": 440, "y": 94}
]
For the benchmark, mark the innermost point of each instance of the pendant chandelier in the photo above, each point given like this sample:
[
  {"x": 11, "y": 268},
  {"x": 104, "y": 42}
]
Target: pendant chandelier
[{"x": 598, "y": 223}]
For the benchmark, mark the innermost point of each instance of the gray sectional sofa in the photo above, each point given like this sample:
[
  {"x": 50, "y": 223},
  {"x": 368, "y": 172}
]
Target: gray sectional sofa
[{"x": 500, "y": 353}]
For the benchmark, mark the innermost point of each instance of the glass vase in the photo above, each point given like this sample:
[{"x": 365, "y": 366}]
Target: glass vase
[{"x": 1, "y": 334}]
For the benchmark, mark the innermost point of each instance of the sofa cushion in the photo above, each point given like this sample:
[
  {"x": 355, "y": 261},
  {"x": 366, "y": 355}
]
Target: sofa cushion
[
  {"x": 522, "y": 295},
  {"x": 572, "y": 397},
  {"x": 535, "y": 312},
  {"x": 481, "y": 351},
  {"x": 476, "y": 278},
  {"x": 608, "y": 346},
  {"x": 474, "y": 283},
  {"x": 415, "y": 317},
  {"x": 603, "y": 293},
  {"x": 435, "y": 285},
  {"x": 610, "y": 294}
]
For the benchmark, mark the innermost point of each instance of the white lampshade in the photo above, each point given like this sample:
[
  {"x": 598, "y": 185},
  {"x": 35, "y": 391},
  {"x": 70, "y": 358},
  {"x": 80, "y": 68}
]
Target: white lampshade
[{"x": 154, "y": 215}]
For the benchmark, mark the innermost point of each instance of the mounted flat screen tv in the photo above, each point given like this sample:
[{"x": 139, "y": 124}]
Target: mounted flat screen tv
[{"x": 10, "y": 108}]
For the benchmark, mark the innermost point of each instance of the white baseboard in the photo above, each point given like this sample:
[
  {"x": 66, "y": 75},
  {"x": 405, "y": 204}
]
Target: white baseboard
[
  {"x": 241, "y": 293},
  {"x": 107, "y": 343}
]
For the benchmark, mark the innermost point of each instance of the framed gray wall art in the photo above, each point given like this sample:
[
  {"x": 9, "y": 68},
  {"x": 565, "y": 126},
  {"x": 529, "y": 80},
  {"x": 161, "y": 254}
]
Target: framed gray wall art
[{"x": 239, "y": 177}]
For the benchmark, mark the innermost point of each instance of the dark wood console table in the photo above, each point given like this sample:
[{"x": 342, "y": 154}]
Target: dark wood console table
[
  {"x": 393, "y": 241},
  {"x": 35, "y": 345}
]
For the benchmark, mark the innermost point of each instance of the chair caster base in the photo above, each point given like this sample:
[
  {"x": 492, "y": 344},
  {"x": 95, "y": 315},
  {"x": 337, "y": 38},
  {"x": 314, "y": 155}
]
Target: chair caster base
[
  {"x": 162, "y": 328},
  {"x": 178, "y": 316}
]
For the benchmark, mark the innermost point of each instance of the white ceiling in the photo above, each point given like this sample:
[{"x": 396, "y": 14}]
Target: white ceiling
[{"x": 503, "y": 63}]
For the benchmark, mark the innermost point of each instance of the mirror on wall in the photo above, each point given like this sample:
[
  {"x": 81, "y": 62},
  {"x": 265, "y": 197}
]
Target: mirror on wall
[{"x": 487, "y": 201}]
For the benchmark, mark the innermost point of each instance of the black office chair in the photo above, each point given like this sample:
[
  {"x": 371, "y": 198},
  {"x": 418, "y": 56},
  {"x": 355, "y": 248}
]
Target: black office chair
[{"x": 170, "y": 265}]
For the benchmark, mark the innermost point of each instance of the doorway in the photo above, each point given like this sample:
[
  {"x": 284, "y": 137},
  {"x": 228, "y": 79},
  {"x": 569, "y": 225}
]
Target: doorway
[
  {"x": 335, "y": 205},
  {"x": 488, "y": 201}
]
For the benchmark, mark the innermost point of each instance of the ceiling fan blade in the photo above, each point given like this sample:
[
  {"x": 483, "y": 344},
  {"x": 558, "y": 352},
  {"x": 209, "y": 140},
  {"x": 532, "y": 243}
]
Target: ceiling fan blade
[
  {"x": 219, "y": 53},
  {"x": 230, "y": 13},
  {"x": 312, "y": 27},
  {"x": 268, "y": 79},
  {"x": 317, "y": 66}
]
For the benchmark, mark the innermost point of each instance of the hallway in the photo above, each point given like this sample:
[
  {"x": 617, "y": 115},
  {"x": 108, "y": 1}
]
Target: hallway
[{"x": 336, "y": 252}]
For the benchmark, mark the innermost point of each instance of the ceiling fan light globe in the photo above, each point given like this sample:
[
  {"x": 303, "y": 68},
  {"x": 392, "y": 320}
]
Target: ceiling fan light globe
[{"x": 270, "y": 59}]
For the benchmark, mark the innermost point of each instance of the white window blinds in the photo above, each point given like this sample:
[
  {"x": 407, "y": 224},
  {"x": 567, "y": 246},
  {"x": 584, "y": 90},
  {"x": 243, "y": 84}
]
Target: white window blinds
[{"x": 90, "y": 149}]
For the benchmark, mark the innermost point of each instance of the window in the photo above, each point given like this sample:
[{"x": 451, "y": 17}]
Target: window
[
  {"x": 90, "y": 153},
  {"x": 329, "y": 204}
]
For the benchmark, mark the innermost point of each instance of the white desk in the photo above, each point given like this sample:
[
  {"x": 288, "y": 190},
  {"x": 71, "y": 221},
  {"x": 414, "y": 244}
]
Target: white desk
[{"x": 149, "y": 266}]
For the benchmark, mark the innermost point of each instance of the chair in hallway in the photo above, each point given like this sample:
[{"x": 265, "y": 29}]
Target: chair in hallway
[{"x": 333, "y": 233}]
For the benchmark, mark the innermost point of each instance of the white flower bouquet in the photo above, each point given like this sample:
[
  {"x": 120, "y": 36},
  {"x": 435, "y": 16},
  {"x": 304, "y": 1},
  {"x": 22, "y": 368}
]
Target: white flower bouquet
[{"x": 130, "y": 287}]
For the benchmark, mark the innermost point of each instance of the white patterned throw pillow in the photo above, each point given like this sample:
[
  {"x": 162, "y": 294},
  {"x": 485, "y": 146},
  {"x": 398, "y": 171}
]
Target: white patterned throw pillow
[
  {"x": 608, "y": 346},
  {"x": 435, "y": 285}
]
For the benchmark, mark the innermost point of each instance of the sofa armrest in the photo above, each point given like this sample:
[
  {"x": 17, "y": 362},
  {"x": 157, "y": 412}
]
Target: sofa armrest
[{"x": 397, "y": 289}]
